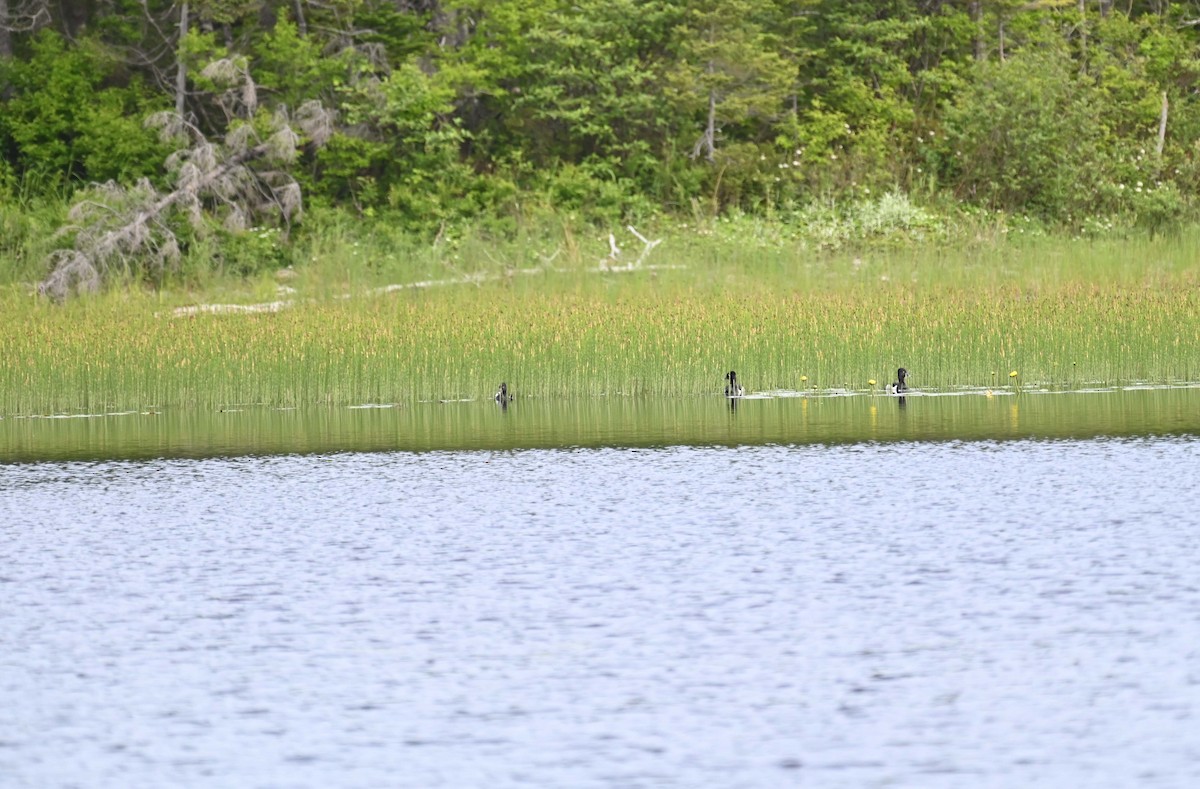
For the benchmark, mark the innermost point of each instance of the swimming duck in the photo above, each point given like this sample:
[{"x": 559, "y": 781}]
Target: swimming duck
[
  {"x": 502, "y": 395},
  {"x": 899, "y": 386},
  {"x": 733, "y": 388}
]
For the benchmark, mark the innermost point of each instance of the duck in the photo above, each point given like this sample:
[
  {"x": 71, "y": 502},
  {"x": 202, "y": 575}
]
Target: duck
[
  {"x": 899, "y": 386},
  {"x": 733, "y": 388},
  {"x": 502, "y": 395}
]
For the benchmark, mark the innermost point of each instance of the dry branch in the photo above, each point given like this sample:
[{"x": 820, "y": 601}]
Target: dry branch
[
  {"x": 126, "y": 229},
  {"x": 613, "y": 261}
]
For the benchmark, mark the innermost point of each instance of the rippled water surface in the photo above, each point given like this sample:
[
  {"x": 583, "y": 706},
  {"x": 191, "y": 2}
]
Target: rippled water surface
[{"x": 747, "y": 610}]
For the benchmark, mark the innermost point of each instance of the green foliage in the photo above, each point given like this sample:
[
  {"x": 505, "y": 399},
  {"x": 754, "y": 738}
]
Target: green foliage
[
  {"x": 252, "y": 251},
  {"x": 27, "y": 235},
  {"x": 118, "y": 145},
  {"x": 45, "y": 116},
  {"x": 224, "y": 11},
  {"x": 867, "y": 222},
  {"x": 401, "y": 151},
  {"x": 1159, "y": 208},
  {"x": 870, "y": 68},
  {"x": 63, "y": 124},
  {"x": 730, "y": 59},
  {"x": 460, "y": 113},
  {"x": 1026, "y": 136},
  {"x": 345, "y": 172},
  {"x": 292, "y": 69},
  {"x": 402, "y": 35},
  {"x": 586, "y": 91},
  {"x": 594, "y": 191}
]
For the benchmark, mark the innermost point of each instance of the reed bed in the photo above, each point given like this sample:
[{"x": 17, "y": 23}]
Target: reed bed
[{"x": 834, "y": 324}]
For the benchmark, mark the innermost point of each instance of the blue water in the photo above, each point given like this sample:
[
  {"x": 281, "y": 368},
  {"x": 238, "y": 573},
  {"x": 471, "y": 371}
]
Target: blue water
[{"x": 905, "y": 613}]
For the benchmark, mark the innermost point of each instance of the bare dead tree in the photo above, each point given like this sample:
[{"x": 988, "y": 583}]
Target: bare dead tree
[
  {"x": 181, "y": 67},
  {"x": 5, "y": 35},
  {"x": 1162, "y": 126},
  {"x": 243, "y": 179},
  {"x": 21, "y": 16},
  {"x": 157, "y": 54}
]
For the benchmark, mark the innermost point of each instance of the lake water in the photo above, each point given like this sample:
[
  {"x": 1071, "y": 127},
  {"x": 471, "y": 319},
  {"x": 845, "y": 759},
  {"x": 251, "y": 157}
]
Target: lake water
[{"x": 798, "y": 591}]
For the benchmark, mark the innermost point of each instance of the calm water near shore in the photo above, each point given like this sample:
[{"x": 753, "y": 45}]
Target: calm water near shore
[
  {"x": 959, "y": 590},
  {"x": 784, "y": 418}
]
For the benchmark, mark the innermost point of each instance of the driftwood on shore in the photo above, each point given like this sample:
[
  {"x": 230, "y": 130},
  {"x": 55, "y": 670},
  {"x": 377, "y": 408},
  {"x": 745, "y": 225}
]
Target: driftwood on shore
[{"x": 609, "y": 265}]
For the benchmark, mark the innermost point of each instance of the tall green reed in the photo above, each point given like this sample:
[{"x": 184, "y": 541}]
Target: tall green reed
[{"x": 1060, "y": 314}]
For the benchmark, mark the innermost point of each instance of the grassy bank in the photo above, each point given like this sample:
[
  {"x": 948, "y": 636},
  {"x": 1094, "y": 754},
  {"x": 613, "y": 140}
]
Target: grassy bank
[{"x": 785, "y": 317}]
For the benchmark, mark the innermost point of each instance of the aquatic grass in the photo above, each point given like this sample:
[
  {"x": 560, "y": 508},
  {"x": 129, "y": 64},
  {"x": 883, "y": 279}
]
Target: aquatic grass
[{"x": 1060, "y": 317}]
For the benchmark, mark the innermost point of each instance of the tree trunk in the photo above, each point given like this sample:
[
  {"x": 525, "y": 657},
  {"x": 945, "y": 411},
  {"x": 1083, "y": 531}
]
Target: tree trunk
[
  {"x": 976, "y": 12},
  {"x": 301, "y": 24},
  {"x": 1162, "y": 125},
  {"x": 73, "y": 17},
  {"x": 181, "y": 68},
  {"x": 5, "y": 36},
  {"x": 1083, "y": 36},
  {"x": 710, "y": 131},
  {"x": 707, "y": 144}
]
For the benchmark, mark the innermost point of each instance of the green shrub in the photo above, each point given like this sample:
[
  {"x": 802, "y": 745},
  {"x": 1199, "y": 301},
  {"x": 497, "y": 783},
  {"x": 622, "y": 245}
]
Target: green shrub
[
  {"x": 65, "y": 125},
  {"x": 1025, "y": 137}
]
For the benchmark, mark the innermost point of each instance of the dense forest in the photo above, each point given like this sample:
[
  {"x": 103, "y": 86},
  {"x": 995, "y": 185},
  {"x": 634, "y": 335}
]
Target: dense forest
[{"x": 165, "y": 121}]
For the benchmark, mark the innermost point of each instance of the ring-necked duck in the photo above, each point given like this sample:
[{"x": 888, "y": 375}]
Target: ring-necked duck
[
  {"x": 899, "y": 386},
  {"x": 733, "y": 388}
]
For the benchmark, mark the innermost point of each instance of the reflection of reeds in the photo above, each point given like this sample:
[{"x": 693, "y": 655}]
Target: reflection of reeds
[
  {"x": 597, "y": 421},
  {"x": 576, "y": 334}
]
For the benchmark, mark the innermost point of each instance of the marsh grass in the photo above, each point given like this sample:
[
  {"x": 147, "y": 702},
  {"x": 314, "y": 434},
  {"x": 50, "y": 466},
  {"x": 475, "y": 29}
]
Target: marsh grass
[{"x": 1061, "y": 313}]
